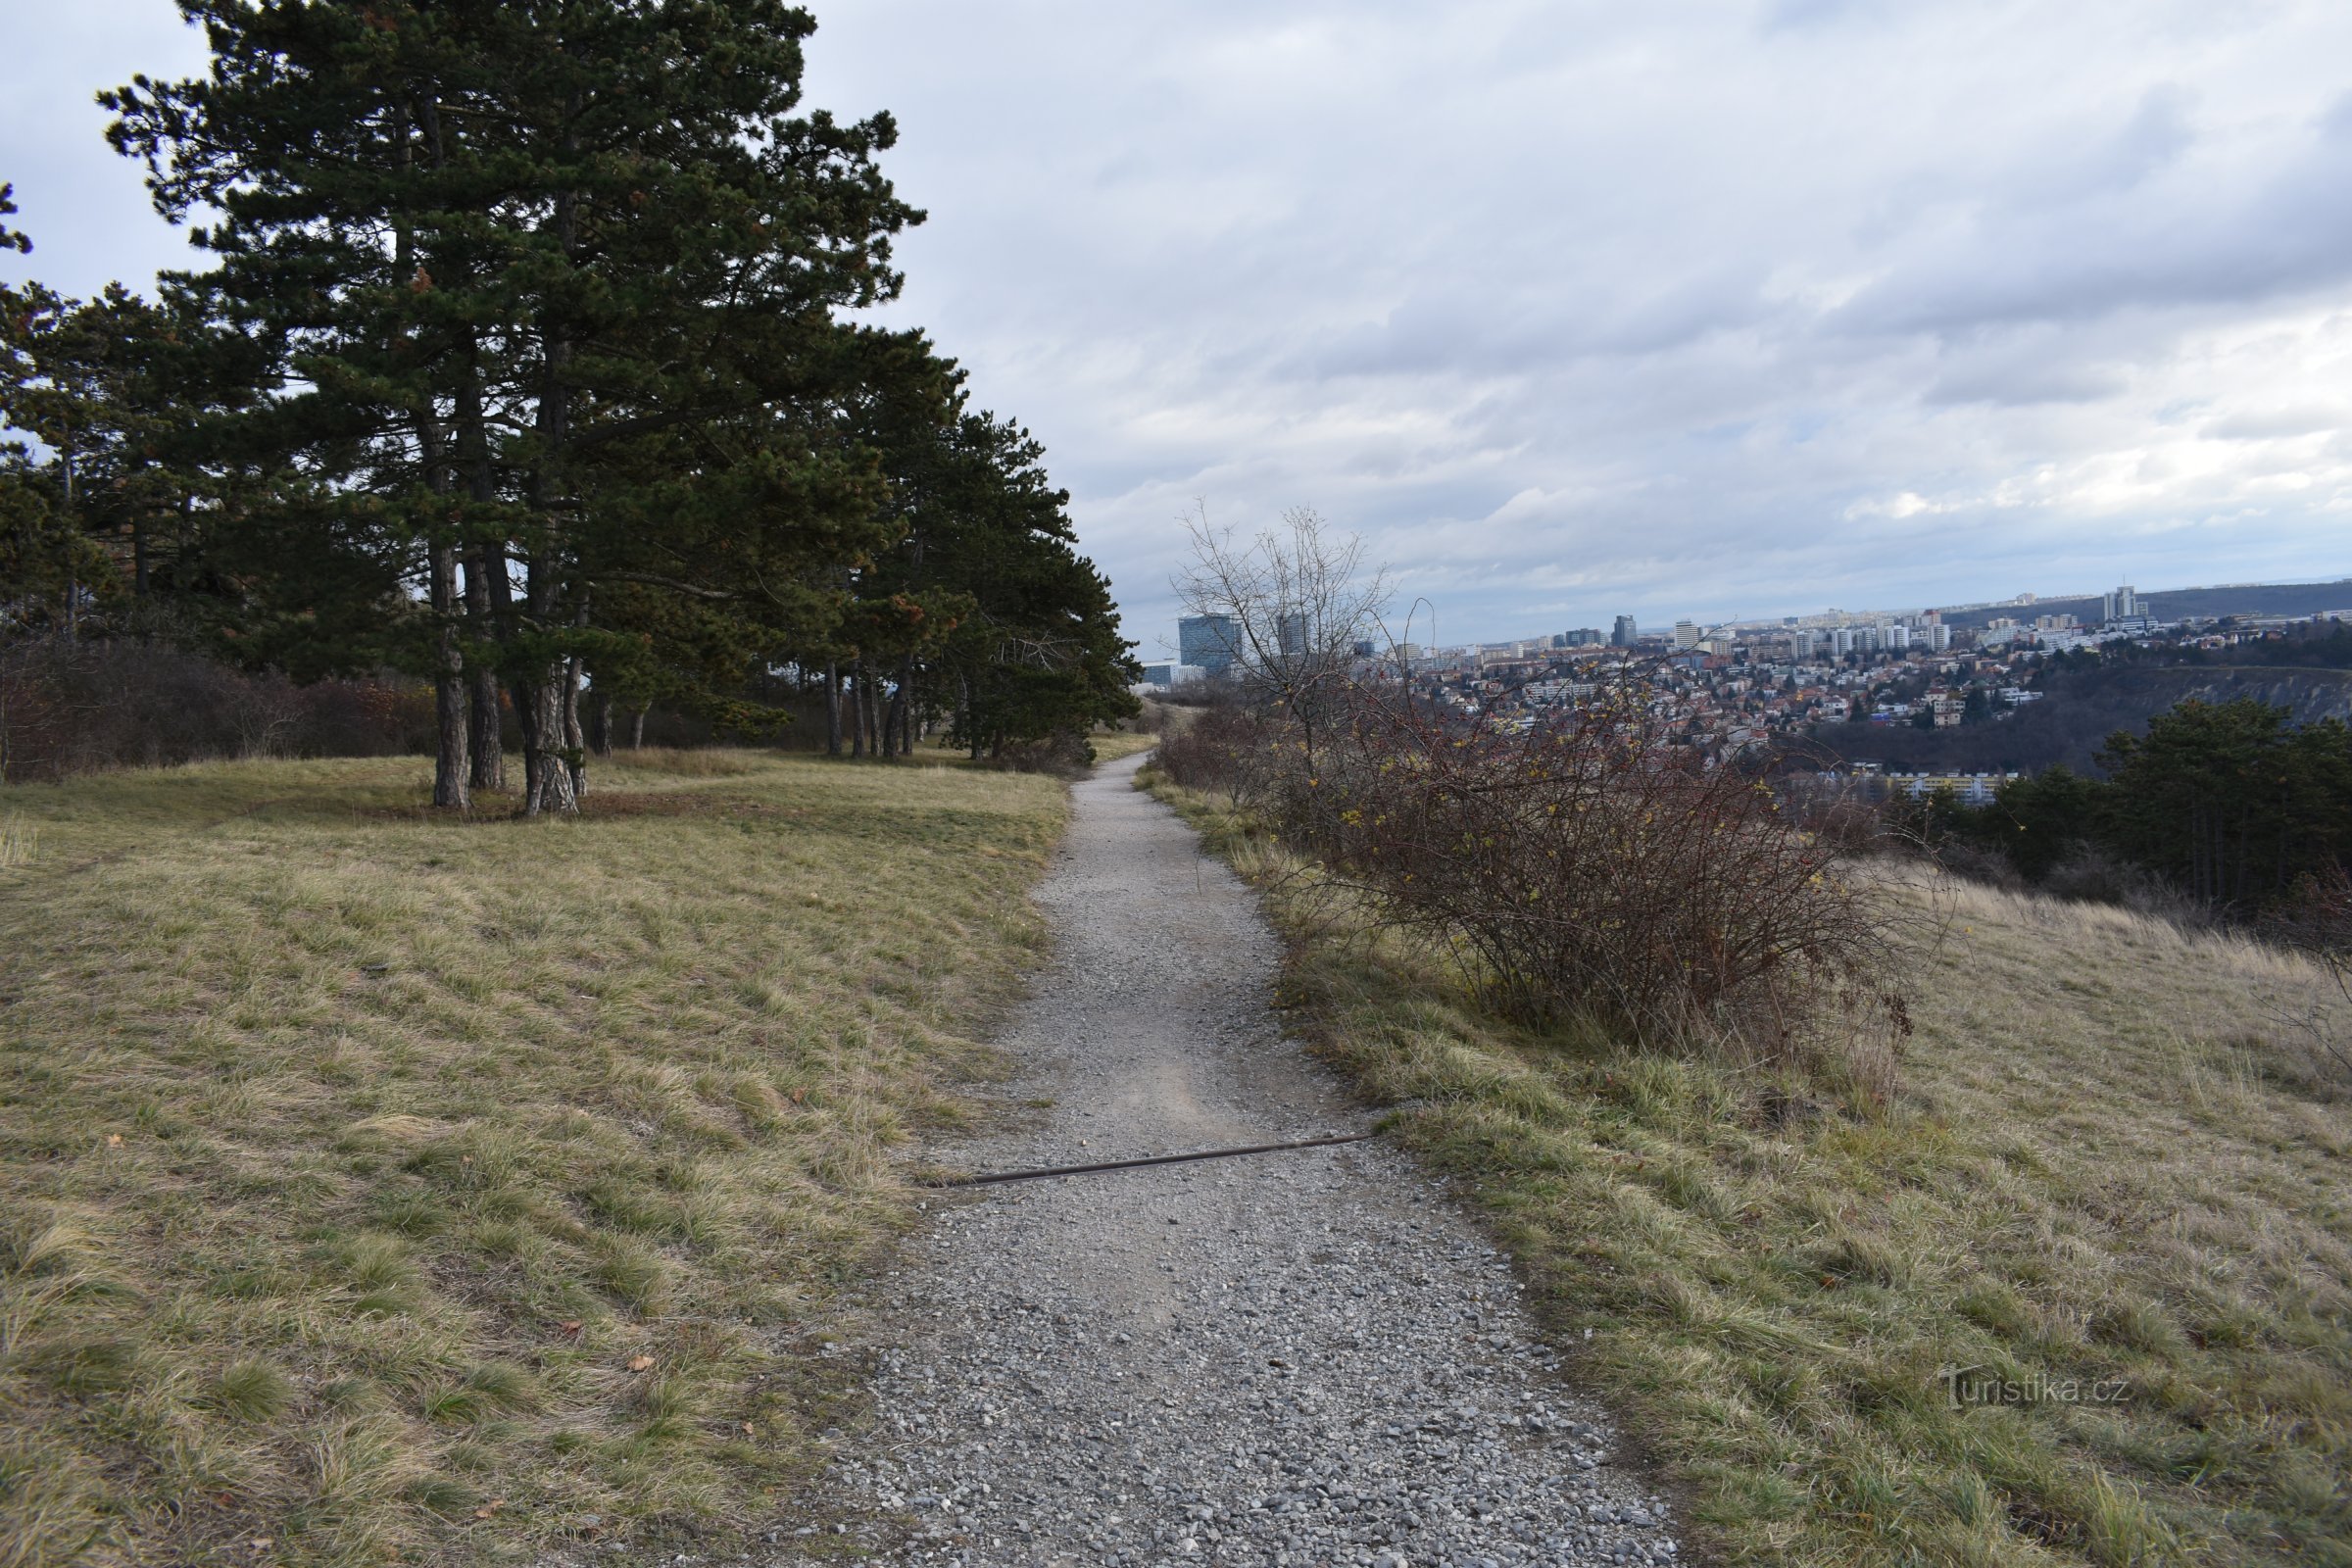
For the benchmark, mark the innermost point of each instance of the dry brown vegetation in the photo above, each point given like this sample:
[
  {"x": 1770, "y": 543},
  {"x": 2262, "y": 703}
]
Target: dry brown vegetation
[
  {"x": 378, "y": 1185},
  {"x": 2115, "y": 1161},
  {"x": 1584, "y": 867}
]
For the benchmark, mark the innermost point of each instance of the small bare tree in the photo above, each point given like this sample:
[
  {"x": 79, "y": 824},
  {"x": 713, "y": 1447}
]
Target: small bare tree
[{"x": 1299, "y": 599}]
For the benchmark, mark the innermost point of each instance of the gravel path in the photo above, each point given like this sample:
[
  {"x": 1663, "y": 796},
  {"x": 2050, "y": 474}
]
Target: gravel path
[{"x": 1290, "y": 1358}]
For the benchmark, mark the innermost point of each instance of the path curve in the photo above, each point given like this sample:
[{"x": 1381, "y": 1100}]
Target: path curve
[{"x": 1294, "y": 1358}]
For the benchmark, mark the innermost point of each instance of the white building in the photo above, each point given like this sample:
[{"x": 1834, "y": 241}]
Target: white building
[{"x": 2122, "y": 605}]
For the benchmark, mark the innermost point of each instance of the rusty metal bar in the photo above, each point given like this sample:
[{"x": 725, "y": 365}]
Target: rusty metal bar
[{"x": 1154, "y": 1159}]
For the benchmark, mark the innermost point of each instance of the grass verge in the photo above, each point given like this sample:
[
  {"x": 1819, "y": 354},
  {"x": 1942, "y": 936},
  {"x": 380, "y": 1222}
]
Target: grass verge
[
  {"x": 1116, "y": 745},
  {"x": 2083, "y": 1294},
  {"x": 377, "y": 1186}
]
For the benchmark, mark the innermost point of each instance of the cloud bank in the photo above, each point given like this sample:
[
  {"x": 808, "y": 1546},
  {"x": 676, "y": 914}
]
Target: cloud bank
[{"x": 1580, "y": 309}]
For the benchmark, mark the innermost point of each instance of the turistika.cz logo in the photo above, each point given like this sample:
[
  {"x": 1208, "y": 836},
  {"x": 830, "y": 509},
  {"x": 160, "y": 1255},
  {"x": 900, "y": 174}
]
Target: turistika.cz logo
[{"x": 1966, "y": 1387}]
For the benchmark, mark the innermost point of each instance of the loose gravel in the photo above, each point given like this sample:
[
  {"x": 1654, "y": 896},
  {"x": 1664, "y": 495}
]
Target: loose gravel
[{"x": 1294, "y": 1358}]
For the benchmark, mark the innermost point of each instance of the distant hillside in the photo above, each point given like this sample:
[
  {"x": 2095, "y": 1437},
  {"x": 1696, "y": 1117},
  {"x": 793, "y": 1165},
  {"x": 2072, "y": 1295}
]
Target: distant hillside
[
  {"x": 2172, "y": 604},
  {"x": 2081, "y": 712}
]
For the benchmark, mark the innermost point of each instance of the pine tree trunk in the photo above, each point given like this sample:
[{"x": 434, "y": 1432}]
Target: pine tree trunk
[
  {"x": 486, "y": 732},
  {"x": 72, "y": 605},
  {"x": 555, "y": 785},
  {"x": 451, "y": 787},
  {"x": 599, "y": 733},
  {"x": 526, "y": 724},
  {"x": 832, "y": 710},
  {"x": 548, "y": 787},
  {"x": 894, "y": 724},
  {"x": 857, "y": 707},
  {"x": 575, "y": 739}
]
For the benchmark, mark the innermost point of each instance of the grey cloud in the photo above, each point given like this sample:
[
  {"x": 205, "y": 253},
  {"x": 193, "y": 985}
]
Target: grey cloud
[
  {"x": 1579, "y": 308},
  {"x": 2180, "y": 242},
  {"x": 2275, "y": 423}
]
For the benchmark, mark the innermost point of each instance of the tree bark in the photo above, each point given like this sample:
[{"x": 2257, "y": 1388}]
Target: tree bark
[
  {"x": 857, "y": 706},
  {"x": 637, "y": 731},
  {"x": 832, "y": 710},
  {"x": 549, "y": 786},
  {"x": 452, "y": 786},
  {"x": 487, "y": 720},
  {"x": 575, "y": 740},
  {"x": 550, "y": 765},
  {"x": 894, "y": 726},
  {"x": 489, "y": 592},
  {"x": 72, "y": 605}
]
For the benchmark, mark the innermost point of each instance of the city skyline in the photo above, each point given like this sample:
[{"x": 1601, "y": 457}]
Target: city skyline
[{"x": 1153, "y": 651}]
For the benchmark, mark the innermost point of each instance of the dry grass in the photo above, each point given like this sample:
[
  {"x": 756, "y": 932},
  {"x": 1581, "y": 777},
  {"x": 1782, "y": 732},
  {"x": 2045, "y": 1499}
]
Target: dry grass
[
  {"x": 1111, "y": 746},
  {"x": 20, "y": 843},
  {"x": 378, "y": 1186},
  {"x": 2106, "y": 1165}
]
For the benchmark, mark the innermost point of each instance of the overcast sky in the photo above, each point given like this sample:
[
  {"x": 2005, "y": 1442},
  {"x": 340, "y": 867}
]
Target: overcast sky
[{"x": 1576, "y": 310}]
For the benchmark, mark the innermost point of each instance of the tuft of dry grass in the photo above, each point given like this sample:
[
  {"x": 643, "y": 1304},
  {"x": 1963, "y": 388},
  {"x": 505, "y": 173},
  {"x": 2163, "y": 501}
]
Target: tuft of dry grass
[
  {"x": 20, "y": 843},
  {"x": 1111, "y": 746},
  {"x": 678, "y": 762},
  {"x": 378, "y": 1185},
  {"x": 2080, "y": 1293}
]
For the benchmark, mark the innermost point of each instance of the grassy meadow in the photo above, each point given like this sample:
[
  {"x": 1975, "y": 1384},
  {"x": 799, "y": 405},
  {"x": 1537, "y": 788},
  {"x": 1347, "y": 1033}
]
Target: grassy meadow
[
  {"x": 376, "y": 1186},
  {"x": 2081, "y": 1294}
]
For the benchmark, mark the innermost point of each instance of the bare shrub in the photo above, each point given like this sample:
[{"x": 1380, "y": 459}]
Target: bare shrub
[
  {"x": 1224, "y": 751},
  {"x": 78, "y": 707},
  {"x": 1840, "y": 813},
  {"x": 1978, "y": 863},
  {"x": 1297, "y": 599},
  {"x": 1064, "y": 754},
  {"x": 1587, "y": 868},
  {"x": 2315, "y": 919},
  {"x": 2092, "y": 876}
]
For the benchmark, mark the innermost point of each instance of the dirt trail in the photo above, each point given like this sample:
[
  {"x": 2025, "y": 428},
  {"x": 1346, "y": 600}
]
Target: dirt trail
[{"x": 1290, "y": 1358}]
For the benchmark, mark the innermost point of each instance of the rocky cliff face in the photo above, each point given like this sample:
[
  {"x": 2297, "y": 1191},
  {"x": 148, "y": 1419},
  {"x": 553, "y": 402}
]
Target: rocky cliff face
[{"x": 2307, "y": 694}]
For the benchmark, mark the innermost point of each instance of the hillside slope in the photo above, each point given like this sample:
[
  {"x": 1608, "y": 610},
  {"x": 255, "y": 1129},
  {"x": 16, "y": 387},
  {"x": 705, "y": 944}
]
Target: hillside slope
[
  {"x": 2074, "y": 721},
  {"x": 2082, "y": 1293},
  {"x": 2173, "y": 603}
]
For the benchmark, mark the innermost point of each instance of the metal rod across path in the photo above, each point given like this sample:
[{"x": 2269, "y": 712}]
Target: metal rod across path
[{"x": 1155, "y": 1159}]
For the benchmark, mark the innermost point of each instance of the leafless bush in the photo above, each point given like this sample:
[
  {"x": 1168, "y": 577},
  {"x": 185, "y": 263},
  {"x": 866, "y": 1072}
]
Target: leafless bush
[
  {"x": 2315, "y": 919},
  {"x": 1297, "y": 599},
  {"x": 1848, "y": 814},
  {"x": 78, "y": 707},
  {"x": 1587, "y": 868},
  {"x": 2093, "y": 876},
  {"x": 1064, "y": 754},
  {"x": 1224, "y": 751}
]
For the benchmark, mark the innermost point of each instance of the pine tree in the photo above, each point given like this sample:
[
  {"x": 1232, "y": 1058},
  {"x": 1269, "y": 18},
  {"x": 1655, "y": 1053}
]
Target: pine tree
[{"x": 551, "y": 291}]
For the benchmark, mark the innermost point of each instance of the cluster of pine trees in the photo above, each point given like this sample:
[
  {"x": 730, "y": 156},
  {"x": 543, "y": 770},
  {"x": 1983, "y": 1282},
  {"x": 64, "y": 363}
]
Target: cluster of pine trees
[
  {"x": 2231, "y": 804},
  {"x": 527, "y": 360}
]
